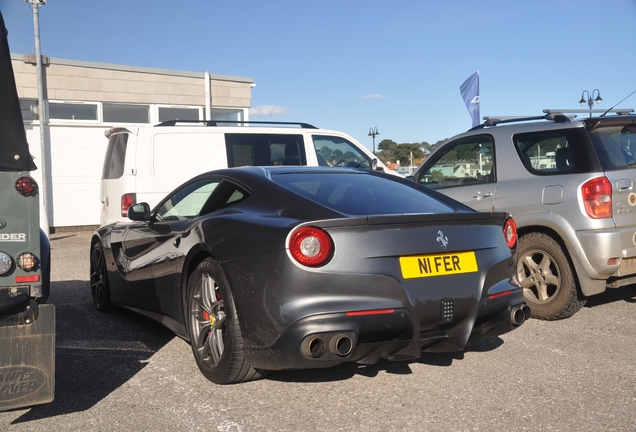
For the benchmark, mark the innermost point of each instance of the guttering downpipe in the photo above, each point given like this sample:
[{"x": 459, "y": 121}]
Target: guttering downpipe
[{"x": 208, "y": 96}]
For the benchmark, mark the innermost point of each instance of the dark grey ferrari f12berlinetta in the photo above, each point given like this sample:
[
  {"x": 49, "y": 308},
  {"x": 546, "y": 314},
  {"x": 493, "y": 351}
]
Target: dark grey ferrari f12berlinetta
[{"x": 270, "y": 268}]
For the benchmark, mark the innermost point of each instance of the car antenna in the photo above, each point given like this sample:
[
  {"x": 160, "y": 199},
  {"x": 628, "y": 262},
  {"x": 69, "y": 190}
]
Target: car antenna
[{"x": 603, "y": 115}]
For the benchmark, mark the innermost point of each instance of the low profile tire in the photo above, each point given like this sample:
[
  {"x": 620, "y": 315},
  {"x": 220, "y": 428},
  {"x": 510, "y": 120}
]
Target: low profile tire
[
  {"x": 100, "y": 290},
  {"x": 547, "y": 279},
  {"x": 213, "y": 326}
]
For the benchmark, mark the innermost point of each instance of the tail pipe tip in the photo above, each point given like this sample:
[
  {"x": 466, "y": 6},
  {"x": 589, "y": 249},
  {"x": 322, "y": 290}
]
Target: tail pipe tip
[{"x": 519, "y": 314}]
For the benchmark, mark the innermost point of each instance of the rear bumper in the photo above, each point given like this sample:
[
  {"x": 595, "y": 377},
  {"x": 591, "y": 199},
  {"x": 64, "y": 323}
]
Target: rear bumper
[
  {"x": 599, "y": 246},
  {"x": 325, "y": 340}
]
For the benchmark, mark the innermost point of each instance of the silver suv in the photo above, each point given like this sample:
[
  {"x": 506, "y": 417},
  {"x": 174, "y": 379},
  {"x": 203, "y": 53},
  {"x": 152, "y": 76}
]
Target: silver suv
[{"x": 570, "y": 185}]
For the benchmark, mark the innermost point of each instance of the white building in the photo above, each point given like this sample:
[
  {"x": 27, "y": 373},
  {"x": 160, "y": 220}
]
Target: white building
[{"x": 83, "y": 99}]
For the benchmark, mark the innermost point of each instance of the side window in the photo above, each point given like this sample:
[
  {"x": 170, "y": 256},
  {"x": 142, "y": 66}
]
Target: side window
[
  {"x": 284, "y": 153},
  {"x": 264, "y": 149},
  {"x": 554, "y": 152},
  {"x": 465, "y": 162},
  {"x": 338, "y": 152},
  {"x": 225, "y": 194},
  {"x": 115, "y": 157},
  {"x": 188, "y": 201}
]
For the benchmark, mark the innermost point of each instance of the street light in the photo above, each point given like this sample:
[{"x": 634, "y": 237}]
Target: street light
[
  {"x": 590, "y": 99},
  {"x": 373, "y": 132}
]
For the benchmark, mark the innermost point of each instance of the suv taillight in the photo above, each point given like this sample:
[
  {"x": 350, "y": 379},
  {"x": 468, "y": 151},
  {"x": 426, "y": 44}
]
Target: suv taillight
[
  {"x": 127, "y": 201},
  {"x": 597, "y": 197}
]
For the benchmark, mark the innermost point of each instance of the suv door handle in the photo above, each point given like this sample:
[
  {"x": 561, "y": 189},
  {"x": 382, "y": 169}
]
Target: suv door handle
[
  {"x": 482, "y": 194},
  {"x": 624, "y": 184}
]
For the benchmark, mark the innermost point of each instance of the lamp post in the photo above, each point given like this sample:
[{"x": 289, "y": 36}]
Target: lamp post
[
  {"x": 590, "y": 99},
  {"x": 373, "y": 132},
  {"x": 35, "y": 5}
]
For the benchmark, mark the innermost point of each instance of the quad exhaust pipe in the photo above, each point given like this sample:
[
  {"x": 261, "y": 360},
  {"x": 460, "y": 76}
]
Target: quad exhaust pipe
[
  {"x": 519, "y": 314},
  {"x": 339, "y": 344}
]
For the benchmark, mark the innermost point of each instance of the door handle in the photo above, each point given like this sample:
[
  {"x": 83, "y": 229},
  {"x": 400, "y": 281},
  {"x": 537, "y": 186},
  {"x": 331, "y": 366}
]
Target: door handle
[
  {"x": 624, "y": 184},
  {"x": 482, "y": 194},
  {"x": 176, "y": 242}
]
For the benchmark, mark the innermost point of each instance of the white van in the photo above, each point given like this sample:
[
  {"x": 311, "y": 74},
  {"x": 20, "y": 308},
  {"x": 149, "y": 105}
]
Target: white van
[{"x": 143, "y": 164}]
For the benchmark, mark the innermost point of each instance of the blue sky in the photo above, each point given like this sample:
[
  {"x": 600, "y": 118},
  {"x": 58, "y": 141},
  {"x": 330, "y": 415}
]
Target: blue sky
[{"x": 350, "y": 65}]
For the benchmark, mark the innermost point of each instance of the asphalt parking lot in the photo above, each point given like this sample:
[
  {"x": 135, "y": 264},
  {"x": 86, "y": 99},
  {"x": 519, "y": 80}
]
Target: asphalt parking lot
[{"x": 119, "y": 371}]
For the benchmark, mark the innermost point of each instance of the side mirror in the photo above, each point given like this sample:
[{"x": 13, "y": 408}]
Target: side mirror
[
  {"x": 410, "y": 177},
  {"x": 139, "y": 212},
  {"x": 374, "y": 164}
]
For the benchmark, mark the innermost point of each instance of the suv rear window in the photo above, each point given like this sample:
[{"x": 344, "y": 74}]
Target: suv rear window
[
  {"x": 615, "y": 146},
  {"x": 559, "y": 152}
]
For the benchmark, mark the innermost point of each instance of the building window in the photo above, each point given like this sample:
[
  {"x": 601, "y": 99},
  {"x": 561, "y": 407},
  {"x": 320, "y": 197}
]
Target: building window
[
  {"x": 72, "y": 111},
  {"x": 29, "y": 108},
  {"x": 170, "y": 113},
  {"x": 226, "y": 114},
  {"x": 123, "y": 113}
]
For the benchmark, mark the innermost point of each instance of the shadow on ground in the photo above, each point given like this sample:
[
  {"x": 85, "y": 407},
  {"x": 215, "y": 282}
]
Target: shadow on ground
[
  {"x": 612, "y": 295},
  {"x": 348, "y": 370},
  {"x": 95, "y": 353}
]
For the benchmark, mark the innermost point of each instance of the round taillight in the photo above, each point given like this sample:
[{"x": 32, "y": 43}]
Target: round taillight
[
  {"x": 310, "y": 246},
  {"x": 25, "y": 186},
  {"x": 510, "y": 232},
  {"x": 5, "y": 263},
  {"x": 27, "y": 261}
]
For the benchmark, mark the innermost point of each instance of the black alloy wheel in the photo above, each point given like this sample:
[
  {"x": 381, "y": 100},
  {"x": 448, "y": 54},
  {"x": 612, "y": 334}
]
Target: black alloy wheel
[
  {"x": 100, "y": 289},
  {"x": 213, "y": 326}
]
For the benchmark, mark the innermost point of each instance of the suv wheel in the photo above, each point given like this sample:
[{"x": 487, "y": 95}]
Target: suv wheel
[{"x": 547, "y": 278}]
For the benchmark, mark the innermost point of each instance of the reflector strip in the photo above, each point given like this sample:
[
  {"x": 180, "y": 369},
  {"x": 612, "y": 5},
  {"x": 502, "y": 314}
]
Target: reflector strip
[
  {"x": 501, "y": 294},
  {"x": 23, "y": 279},
  {"x": 371, "y": 312}
]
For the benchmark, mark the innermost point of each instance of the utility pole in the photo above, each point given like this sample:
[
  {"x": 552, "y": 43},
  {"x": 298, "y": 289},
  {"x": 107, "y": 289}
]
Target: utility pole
[{"x": 35, "y": 5}]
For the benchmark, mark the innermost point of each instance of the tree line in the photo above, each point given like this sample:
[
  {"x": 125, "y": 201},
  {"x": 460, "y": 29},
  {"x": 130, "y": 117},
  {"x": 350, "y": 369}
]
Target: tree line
[{"x": 390, "y": 151}]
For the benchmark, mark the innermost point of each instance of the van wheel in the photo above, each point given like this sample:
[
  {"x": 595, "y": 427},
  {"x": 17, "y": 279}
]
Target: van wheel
[
  {"x": 213, "y": 327},
  {"x": 100, "y": 289},
  {"x": 547, "y": 278}
]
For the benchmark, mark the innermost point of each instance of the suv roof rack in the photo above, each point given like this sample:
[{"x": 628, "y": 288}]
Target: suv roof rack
[
  {"x": 233, "y": 122},
  {"x": 556, "y": 115},
  {"x": 618, "y": 111},
  {"x": 494, "y": 121}
]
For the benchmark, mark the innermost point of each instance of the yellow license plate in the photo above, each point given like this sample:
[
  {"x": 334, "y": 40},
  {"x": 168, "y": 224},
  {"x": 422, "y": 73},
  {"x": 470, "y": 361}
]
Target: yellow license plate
[{"x": 438, "y": 265}]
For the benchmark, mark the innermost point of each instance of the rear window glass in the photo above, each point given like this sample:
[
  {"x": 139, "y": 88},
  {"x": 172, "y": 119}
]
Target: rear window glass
[
  {"x": 558, "y": 152},
  {"x": 615, "y": 146},
  {"x": 361, "y": 194},
  {"x": 115, "y": 157}
]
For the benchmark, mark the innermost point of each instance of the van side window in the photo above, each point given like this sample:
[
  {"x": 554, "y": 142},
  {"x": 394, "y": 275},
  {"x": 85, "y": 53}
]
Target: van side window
[
  {"x": 338, "y": 152},
  {"x": 115, "y": 157},
  {"x": 264, "y": 149}
]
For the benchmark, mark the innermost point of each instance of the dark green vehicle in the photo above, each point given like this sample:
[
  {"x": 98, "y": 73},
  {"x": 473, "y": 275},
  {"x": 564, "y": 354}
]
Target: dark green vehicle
[{"x": 27, "y": 324}]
